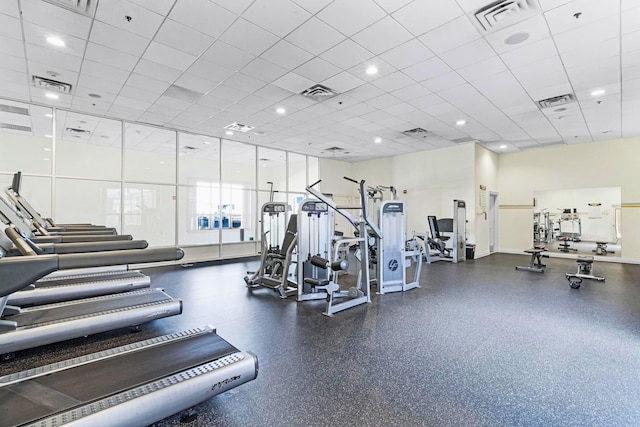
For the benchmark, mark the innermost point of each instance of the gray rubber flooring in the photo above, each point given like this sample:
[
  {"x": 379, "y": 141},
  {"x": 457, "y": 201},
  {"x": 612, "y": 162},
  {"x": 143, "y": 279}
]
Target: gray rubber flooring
[{"x": 479, "y": 344}]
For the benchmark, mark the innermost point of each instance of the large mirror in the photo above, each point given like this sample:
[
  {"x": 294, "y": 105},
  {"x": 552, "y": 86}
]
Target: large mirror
[{"x": 583, "y": 221}]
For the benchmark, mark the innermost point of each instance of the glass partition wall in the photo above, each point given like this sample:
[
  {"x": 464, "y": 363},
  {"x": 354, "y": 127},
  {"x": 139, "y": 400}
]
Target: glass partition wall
[{"x": 165, "y": 186}]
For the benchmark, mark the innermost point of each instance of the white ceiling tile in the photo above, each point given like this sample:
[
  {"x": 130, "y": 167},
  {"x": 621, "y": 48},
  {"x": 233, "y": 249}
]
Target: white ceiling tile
[
  {"x": 99, "y": 85},
  {"x": 317, "y": 70},
  {"x": 535, "y": 28},
  {"x": 346, "y": 54},
  {"x": 227, "y": 56},
  {"x": 287, "y": 55},
  {"x": 598, "y": 74},
  {"x": 400, "y": 109},
  {"x": 468, "y": 54},
  {"x": 104, "y": 71},
  {"x": 183, "y": 38},
  {"x": 235, "y": 6},
  {"x": 168, "y": 56},
  {"x": 277, "y": 16},
  {"x": 631, "y": 42},
  {"x": 587, "y": 34},
  {"x": 37, "y": 35},
  {"x": 10, "y": 9},
  {"x": 391, "y": 6},
  {"x": 263, "y": 70},
  {"x": 589, "y": 54},
  {"x": 137, "y": 93},
  {"x": 315, "y": 36},
  {"x": 143, "y": 22},
  {"x": 56, "y": 18},
  {"x": 411, "y": 92},
  {"x": 382, "y": 36},
  {"x": 563, "y": 18},
  {"x": 293, "y": 82},
  {"x": 427, "y": 69},
  {"x": 160, "y": 7},
  {"x": 228, "y": 93},
  {"x": 248, "y": 37},
  {"x": 118, "y": 39},
  {"x": 196, "y": 83},
  {"x": 313, "y": 6},
  {"x": 530, "y": 53},
  {"x": 366, "y": 92},
  {"x": 10, "y": 27},
  {"x": 157, "y": 71},
  {"x": 552, "y": 4},
  {"x": 203, "y": 16},
  {"x": 146, "y": 83},
  {"x": 11, "y": 46},
  {"x": 360, "y": 13},
  {"x": 421, "y": 16},
  {"x": 393, "y": 81},
  {"x": 15, "y": 63},
  {"x": 383, "y": 101},
  {"x": 407, "y": 54},
  {"x": 273, "y": 93},
  {"x": 481, "y": 70},
  {"x": 55, "y": 59},
  {"x": 444, "y": 81},
  {"x": 134, "y": 103},
  {"x": 450, "y": 36},
  {"x": 343, "y": 82}
]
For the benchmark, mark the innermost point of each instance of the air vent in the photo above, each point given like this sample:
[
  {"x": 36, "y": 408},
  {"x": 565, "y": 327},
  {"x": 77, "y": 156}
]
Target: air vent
[
  {"x": 14, "y": 110},
  {"x": 461, "y": 140},
  {"x": 190, "y": 148},
  {"x": 77, "y": 132},
  {"x": 319, "y": 92},
  {"x": 239, "y": 127},
  {"x": 10, "y": 126},
  {"x": 83, "y": 7},
  {"x": 417, "y": 133},
  {"x": 264, "y": 159},
  {"x": 49, "y": 84},
  {"x": 557, "y": 100},
  {"x": 547, "y": 144},
  {"x": 334, "y": 149},
  {"x": 503, "y": 13}
]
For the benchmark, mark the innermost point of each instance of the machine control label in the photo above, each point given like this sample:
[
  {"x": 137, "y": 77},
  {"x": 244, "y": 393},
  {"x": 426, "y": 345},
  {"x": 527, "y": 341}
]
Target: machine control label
[
  {"x": 393, "y": 207},
  {"x": 223, "y": 383}
]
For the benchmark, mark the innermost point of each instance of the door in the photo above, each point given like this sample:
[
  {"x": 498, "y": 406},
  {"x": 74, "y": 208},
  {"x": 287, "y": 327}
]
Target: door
[{"x": 493, "y": 222}]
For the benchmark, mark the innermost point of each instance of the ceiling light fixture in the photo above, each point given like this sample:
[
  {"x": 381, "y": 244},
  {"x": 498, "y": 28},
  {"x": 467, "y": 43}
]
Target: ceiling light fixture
[
  {"x": 49, "y": 115},
  {"x": 503, "y": 146},
  {"x": 47, "y": 136},
  {"x": 206, "y": 142},
  {"x": 372, "y": 70},
  {"x": 56, "y": 41},
  {"x": 281, "y": 110},
  {"x": 378, "y": 140},
  {"x": 229, "y": 132},
  {"x": 516, "y": 38},
  {"x": 51, "y": 95},
  {"x": 598, "y": 92},
  {"x": 461, "y": 122}
]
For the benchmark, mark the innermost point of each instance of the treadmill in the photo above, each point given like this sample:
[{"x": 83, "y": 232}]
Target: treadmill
[
  {"x": 133, "y": 385},
  {"x": 82, "y": 284},
  {"x": 22, "y": 328}
]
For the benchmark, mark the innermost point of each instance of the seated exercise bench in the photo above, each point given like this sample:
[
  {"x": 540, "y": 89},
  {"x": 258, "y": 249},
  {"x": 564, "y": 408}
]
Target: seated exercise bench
[
  {"x": 601, "y": 249},
  {"x": 585, "y": 271},
  {"x": 535, "y": 263},
  {"x": 564, "y": 245}
]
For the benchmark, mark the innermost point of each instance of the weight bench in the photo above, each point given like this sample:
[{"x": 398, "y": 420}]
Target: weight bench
[
  {"x": 601, "y": 249},
  {"x": 585, "y": 271},
  {"x": 564, "y": 246},
  {"x": 535, "y": 263}
]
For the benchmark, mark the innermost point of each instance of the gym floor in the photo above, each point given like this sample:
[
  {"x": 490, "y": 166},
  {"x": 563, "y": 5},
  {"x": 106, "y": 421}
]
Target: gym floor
[{"x": 479, "y": 344}]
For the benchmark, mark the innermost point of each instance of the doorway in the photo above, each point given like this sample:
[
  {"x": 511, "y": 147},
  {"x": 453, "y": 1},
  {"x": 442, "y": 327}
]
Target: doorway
[{"x": 493, "y": 221}]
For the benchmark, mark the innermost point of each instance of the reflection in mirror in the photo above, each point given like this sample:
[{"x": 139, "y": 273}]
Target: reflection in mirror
[
  {"x": 150, "y": 154},
  {"x": 85, "y": 201},
  {"x": 88, "y": 146},
  {"x": 198, "y": 216},
  {"x": 237, "y": 210},
  {"x": 297, "y": 172},
  {"x": 584, "y": 221},
  {"x": 199, "y": 158},
  {"x": 25, "y": 138},
  {"x": 149, "y": 213},
  {"x": 313, "y": 173},
  {"x": 35, "y": 189},
  {"x": 272, "y": 167}
]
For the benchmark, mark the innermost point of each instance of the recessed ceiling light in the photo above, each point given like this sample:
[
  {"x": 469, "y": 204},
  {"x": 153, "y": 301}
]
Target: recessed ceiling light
[
  {"x": 206, "y": 142},
  {"x": 48, "y": 136},
  {"x": 378, "y": 140},
  {"x": 461, "y": 122},
  {"x": 503, "y": 146},
  {"x": 48, "y": 115},
  {"x": 598, "y": 92},
  {"x": 280, "y": 110},
  {"x": 161, "y": 162},
  {"x": 371, "y": 70},
  {"x": 51, "y": 95},
  {"x": 56, "y": 41},
  {"x": 516, "y": 38},
  {"x": 229, "y": 132}
]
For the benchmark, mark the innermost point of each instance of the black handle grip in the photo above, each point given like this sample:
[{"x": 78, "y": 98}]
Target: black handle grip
[
  {"x": 315, "y": 183},
  {"x": 134, "y": 256},
  {"x": 350, "y": 179}
]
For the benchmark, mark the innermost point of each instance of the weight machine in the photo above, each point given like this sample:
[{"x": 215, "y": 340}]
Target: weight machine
[
  {"x": 436, "y": 247},
  {"x": 542, "y": 229},
  {"x": 585, "y": 271}
]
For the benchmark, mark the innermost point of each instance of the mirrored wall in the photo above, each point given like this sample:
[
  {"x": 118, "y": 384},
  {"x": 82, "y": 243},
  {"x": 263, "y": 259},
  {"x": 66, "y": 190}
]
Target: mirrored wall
[{"x": 165, "y": 186}]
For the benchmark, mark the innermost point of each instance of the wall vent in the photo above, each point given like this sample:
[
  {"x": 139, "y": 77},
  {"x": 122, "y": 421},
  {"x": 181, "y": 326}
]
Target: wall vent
[
  {"x": 417, "y": 133},
  {"x": 557, "y": 100},
  {"x": 319, "y": 92},
  {"x": 503, "y": 13},
  {"x": 49, "y": 84},
  {"x": 10, "y": 126},
  {"x": 83, "y": 7},
  {"x": 462, "y": 140},
  {"x": 239, "y": 127},
  {"x": 14, "y": 110}
]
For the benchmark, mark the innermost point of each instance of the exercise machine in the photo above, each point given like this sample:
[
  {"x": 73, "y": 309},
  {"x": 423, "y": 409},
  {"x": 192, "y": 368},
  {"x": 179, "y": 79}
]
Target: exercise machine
[
  {"x": 601, "y": 249},
  {"x": 451, "y": 247},
  {"x": 275, "y": 259},
  {"x": 339, "y": 299},
  {"x": 585, "y": 271},
  {"x": 542, "y": 229},
  {"x": 535, "y": 262},
  {"x": 394, "y": 253}
]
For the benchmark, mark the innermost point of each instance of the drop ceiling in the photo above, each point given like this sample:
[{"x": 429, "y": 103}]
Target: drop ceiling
[{"x": 201, "y": 65}]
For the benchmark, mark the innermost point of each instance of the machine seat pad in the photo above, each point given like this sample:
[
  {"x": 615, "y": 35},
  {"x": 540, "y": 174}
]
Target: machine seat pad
[
  {"x": 535, "y": 250},
  {"x": 316, "y": 282},
  {"x": 584, "y": 259}
]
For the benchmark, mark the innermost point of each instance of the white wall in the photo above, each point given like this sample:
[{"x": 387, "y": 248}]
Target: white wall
[
  {"x": 599, "y": 164},
  {"x": 486, "y": 174}
]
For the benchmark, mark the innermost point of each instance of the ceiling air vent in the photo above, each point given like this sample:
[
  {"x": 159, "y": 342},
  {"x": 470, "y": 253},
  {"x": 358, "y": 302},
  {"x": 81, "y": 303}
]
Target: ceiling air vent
[
  {"x": 557, "y": 100},
  {"x": 461, "y": 140},
  {"x": 417, "y": 133},
  {"x": 319, "y": 92},
  {"x": 503, "y": 13},
  {"x": 190, "y": 148},
  {"x": 84, "y": 7},
  {"x": 14, "y": 110},
  {"x": 49, "y": 84},
  {"x": 10, "y": 126},
  {"x": 77, "y": 132},
  {"x": 334, "y": 149},
  {"x": 239, "y": 127}
]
